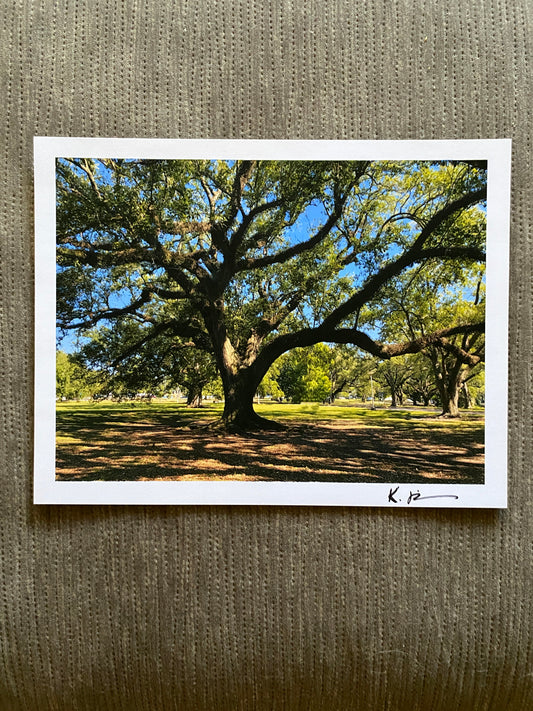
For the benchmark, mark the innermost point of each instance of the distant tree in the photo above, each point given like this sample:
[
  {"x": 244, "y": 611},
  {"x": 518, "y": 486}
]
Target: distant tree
[
  {"x": 303, "y": 374},
  {"x": 73, "y": 382},
  {"x": 197, "y": 371},
  {"x": 421, "y": 387},
  {"x": 395, "y": 374},
  {"x": 154, "y": 366},
  {"x": 214, "y": 389},
  {"x": 473, "y": 391},
  {"x": 269, "y": 386},
  {"x": 63, "y": 375},
  {"x": 454, "y": 367},
  {"x": 349, "y": 369}
]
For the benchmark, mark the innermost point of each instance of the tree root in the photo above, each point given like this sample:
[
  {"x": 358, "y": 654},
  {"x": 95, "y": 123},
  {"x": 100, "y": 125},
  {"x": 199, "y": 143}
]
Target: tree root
[{"x": 240, "y": 427}]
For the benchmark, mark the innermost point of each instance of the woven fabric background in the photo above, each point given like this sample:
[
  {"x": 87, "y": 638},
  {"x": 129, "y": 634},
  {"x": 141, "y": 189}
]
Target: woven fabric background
[{"x": 227, "y": 608}]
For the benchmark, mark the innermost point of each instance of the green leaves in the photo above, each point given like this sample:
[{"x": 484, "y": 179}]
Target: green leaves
[
  {"x": 253, "y": 258},
  {"x": 303, "y": 376}
]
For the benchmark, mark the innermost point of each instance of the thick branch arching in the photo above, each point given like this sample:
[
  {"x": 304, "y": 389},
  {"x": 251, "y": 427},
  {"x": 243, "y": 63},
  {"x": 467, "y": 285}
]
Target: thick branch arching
[
  {"x": 385, "y": 351},
  {"x": 114, "y": 313},
  {"x": 372, "y": 286}
]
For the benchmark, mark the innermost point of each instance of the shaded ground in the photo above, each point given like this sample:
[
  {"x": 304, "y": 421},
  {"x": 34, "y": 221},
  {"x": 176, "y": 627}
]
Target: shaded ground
[{"x": 154, "y": 442}]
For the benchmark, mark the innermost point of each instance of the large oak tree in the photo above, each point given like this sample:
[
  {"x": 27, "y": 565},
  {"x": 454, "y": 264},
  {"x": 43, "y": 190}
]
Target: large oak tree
[{"x": 246, "y": 260}]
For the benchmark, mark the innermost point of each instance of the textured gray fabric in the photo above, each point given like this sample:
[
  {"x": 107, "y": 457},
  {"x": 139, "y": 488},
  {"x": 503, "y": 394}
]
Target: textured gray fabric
[{"x": 141, "y": 608}]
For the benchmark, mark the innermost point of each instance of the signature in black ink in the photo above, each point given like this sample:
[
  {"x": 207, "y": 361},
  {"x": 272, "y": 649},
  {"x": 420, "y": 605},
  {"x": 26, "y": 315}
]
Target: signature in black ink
[
  {"x": 392, "y": 494},
  {"x": 416, "y": 496}
]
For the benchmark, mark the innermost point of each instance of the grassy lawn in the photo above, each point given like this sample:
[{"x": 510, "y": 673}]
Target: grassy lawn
[{"x": 154, "y": 441}]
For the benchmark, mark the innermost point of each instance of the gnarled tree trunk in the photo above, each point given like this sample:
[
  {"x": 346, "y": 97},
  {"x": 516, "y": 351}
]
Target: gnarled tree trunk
[
  {"x": 449, "y": 394},
  {"x": 239, "y": 414},
  {"x": 240, "y": 375},
  {"x": 194, "y": 397},
  {"x": 449, "y": 386}
]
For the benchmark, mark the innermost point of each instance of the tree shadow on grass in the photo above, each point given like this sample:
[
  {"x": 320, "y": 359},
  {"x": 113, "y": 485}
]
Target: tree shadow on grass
[{"x": 143, "y": 446}]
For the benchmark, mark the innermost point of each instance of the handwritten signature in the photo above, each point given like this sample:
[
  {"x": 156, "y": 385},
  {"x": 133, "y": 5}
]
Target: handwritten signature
[{"x": 416, "y": 496}]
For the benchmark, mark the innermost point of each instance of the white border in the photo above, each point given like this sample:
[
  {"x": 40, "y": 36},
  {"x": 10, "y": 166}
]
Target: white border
[{"x": 491, "y": 494}]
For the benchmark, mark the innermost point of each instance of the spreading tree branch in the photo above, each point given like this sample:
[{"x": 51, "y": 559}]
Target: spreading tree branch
[
  {"x": 286, "y": 254},
  {"x": 181, "y": 328},
  {"x": 108, "y": 314},
  {"x": 372, "y": 286},
  {"x": 310, "y": 336},
  {"x": 445, "y": 212},
  {"x": 340, "y": 197}
]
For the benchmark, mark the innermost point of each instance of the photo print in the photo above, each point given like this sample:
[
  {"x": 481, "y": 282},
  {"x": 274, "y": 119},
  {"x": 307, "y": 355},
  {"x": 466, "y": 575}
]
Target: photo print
[{"x": 271, "y": 322}]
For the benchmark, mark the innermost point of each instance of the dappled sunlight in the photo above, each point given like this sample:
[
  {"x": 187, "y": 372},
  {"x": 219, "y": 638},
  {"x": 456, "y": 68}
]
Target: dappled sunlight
[
  {"x": 446, "y": 478},
  {"x": 158, "y": 444}
]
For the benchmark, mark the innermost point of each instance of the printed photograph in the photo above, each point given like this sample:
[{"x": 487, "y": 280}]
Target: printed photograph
[{"x": 270, "y": 320}]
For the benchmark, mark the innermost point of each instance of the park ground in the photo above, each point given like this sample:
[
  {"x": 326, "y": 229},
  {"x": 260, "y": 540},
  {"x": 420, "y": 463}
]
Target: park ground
[{"x": 140, "y": 441}]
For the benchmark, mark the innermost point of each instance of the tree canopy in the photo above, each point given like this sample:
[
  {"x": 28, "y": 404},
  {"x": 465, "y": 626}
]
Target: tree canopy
[{"x": 244, "y": 261}]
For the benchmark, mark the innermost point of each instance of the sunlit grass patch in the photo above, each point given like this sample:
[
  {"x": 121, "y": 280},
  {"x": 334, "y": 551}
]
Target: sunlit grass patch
[{"x": 67, "y": 439}]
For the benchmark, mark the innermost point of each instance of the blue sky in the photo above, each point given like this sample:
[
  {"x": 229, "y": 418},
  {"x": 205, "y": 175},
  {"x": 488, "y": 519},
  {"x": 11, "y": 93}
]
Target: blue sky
[{"x": 305, "y": 226}]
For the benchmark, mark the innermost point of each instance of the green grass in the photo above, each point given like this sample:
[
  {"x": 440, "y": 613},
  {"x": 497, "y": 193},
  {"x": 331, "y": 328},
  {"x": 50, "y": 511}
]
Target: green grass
[
  {"x": 94, "y": 415},
  {"x": 76, "y": 420},
  {"x": 384, "y": 416},
  {"x": 130, "y": 440}
]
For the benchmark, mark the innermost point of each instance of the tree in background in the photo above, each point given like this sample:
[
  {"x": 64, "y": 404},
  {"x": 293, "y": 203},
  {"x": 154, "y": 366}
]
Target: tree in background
[
  {"x": 473, "y": 390},
  {"x": 248, "y": 260},
  {"x": 303, "y": 374},
  {"x": 456, "y": 359},
  {"x": 454, "y": 366},
  {"x": 349, "y": 369},
  {"x": 421, "y": 387},
  {"x": 269, "y": 387},
  {"x": 73, "y": 380},
  {"x": 133, "y": 364},
  {"x": 395, "y": 374}
]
